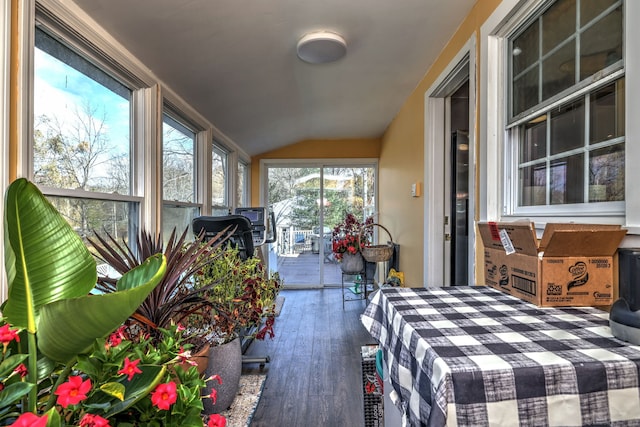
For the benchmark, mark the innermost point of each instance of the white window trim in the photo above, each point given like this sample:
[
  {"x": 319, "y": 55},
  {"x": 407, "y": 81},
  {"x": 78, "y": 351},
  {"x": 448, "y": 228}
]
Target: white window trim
[
  {"x": 493, "y": 88},
  {"x": 147, "y": 107},
  {"x": 5, "y": 57}
]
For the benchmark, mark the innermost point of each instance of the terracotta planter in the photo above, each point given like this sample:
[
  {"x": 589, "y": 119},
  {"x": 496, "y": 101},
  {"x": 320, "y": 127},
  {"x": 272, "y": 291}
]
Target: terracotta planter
[
  {"x": 201, "y": 359},
  {"x": 352, "y": 263},
  {"x": 224, "y": 360}
]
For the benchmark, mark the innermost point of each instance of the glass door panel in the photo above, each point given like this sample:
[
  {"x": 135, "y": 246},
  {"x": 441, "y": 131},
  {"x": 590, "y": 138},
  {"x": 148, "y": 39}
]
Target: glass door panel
[
  {"x": 308, "y": 202},
  {"x": 293, "y": 196},
  {"x": 346, "y": 190}
]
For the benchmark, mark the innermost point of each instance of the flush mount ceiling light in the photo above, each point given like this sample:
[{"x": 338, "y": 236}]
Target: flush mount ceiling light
[{"x": 321, "y": 47}]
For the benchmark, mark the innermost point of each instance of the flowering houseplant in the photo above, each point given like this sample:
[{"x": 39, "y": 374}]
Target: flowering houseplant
[
  {"x": 347, "y": 238},
  {"x": 55, "y": 368}
]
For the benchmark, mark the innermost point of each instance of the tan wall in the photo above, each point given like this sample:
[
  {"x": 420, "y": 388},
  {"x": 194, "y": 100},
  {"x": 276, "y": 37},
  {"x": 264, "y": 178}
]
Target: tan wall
[{"x": 314, "y": 149}]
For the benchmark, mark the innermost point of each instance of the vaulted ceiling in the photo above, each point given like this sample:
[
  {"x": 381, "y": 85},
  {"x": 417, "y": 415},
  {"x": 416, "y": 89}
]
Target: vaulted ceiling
[{"x": 235, "y": 61}]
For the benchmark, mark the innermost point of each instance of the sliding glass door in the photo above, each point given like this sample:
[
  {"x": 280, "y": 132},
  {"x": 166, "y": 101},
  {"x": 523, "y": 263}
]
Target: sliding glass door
[{"x": 308, "y": 201}]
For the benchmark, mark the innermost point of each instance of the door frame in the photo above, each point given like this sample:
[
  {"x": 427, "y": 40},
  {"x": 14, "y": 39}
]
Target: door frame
[
  {"x": 435, "y": 135},
  {"x": 321, "y": 164}
]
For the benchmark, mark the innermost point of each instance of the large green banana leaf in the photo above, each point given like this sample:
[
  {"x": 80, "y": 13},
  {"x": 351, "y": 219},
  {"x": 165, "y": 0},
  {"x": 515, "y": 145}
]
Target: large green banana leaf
[
  {"x": 69, "y": 327},
  {"x": 45, "y": 259}
]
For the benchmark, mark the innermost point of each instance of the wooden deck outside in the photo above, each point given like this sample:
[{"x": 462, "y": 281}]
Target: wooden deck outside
[{"x": 303, "y": 269}]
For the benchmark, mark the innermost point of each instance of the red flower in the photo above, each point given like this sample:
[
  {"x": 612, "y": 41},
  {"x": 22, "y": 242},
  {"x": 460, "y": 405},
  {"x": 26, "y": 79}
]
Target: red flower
[
  {"x": 217, "y": 420},
  {"x": 21, "y": 370},
  {"x": 130, "y": 368},
  {"x": 92, "y": 420},
  {"x": 370, "y": 388},
  {"x": 164, "y": 395},
  {"x": 73, "y": 391},
  {"x": 116, "y": 338},
  {"x": 30, "y": 420},
  {"x": 213, "y": 396},
  {"x": 7, "y": 335}
]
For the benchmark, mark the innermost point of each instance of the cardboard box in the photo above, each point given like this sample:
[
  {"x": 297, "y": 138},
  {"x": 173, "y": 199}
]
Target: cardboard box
[{"x": 571, "y": 265}]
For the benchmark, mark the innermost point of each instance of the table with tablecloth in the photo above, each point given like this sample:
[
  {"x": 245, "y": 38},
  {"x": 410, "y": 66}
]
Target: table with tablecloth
[{"x": 474, "y": 356}]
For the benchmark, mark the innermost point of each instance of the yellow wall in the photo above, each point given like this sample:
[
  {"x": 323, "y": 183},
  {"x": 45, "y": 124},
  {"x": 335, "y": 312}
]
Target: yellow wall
[
  {"x": 314, "y": 149},
  {"x": 402, "y": 155}
]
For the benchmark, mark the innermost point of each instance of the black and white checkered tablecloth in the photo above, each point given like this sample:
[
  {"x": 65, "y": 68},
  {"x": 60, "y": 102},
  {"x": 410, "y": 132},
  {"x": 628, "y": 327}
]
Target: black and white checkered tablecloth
[{"x": 474, "y": 356}]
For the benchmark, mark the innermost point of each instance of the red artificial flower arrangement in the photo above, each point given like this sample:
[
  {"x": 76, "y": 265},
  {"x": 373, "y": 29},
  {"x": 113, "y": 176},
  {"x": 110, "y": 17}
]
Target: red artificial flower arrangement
[{"x": 347, "y": 238}]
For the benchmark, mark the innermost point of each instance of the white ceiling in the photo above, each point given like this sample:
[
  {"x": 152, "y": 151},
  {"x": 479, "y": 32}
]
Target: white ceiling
[{"x": 235, "y": 61}]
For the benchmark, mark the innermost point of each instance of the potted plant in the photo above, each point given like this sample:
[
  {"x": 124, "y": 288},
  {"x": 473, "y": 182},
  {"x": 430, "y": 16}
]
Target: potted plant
[
  {"x": 56, "y": 367},
  {"x": 349, "y": 237},
  {"x": 174, "y": 299},
  {"x": 242, "y": 297}
]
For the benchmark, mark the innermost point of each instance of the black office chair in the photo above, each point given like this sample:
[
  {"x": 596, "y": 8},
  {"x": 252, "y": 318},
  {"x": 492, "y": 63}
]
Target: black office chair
[{"x": 238, "y": 228}]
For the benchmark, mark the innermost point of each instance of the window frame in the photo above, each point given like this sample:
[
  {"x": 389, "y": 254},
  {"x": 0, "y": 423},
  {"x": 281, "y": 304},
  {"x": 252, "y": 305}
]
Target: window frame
[
  {"x": 229, "y": 170},
  {"x": 89, "y": 40},
  {"x": 496, "y": 180},
  {"x": 52, "y": 24},
  {"x": 180, "y": 118}
]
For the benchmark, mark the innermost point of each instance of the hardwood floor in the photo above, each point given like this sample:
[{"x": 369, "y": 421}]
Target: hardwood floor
[{"x": 314, "y": 376}]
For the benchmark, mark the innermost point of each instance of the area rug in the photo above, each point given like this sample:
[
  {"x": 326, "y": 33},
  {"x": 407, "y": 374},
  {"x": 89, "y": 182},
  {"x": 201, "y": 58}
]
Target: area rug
[{"x": 244, "y": 405}]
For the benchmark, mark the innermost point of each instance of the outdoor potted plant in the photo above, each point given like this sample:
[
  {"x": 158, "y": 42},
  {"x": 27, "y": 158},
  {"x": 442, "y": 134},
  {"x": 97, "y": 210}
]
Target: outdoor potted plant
[
  {"x": 242, "y": 297},
  {"x": 59, "y": 365}
]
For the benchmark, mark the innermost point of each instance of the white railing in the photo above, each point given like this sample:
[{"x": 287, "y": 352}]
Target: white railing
[{"x": 291, "y": 241}]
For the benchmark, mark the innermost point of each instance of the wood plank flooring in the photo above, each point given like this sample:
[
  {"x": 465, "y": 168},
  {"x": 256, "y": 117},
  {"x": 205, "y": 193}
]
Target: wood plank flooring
[{"x": 314, "y": 376}]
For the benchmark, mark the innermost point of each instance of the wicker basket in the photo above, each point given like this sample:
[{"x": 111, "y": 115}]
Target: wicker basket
[{"x": 377, "y": 253}]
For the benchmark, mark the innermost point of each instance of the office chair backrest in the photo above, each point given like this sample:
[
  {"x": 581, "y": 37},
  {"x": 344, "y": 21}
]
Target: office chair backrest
[{"x": 240, "y": 231}]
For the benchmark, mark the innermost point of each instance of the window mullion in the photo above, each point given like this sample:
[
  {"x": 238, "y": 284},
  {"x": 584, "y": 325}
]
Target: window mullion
[
  {"x": 548, "y": 161},
  {"x": 587, "y": 126}
]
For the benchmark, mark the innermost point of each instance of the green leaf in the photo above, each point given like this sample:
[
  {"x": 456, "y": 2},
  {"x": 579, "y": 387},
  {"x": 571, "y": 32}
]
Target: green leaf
[
  {"x": 45, "y": 259},
  {"x": 69, "y": 327},
  {"x": 10, "y": 363},
  {"x": 14, "y": 392},
  {"x": 53, "y": 418},
  {"x": 114, "y": 389},
  {"x": 139, "y": 387}
]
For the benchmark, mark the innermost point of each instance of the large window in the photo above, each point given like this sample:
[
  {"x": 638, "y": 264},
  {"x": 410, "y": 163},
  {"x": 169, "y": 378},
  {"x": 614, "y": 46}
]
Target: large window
[
  {"x": 566, "y": 127},
  {"x": 178, "y": 175},
  {"x": 92, "y": 148},
  {"x": 242, "y": 185},
  {"x": 220, "y": 181},
  {"x": 81, "y": 153}
]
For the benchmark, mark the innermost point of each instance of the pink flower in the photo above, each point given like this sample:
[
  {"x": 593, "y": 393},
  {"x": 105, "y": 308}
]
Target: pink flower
[
  {"x": 30, "y": 420},
  {"x": 92, "y": 420},
  {"x": 7, "y": 335},
  {"x": 130, "y": 368},
  {"x": 21, "y": 370},
  {"x": 180, "y": 328},
  {"x": 185, "y": 357},
  {"x": 217, "y": 420},
  {"x": 73, "y": 391},
  {"x": 164, "y": 395}
]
